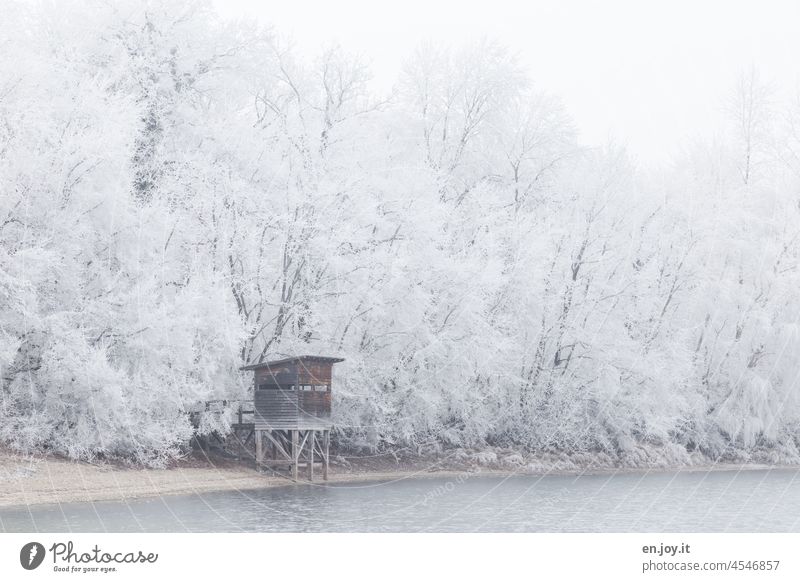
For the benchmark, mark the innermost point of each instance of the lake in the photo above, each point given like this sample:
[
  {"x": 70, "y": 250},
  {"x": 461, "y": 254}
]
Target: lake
[{"x": 698, "y": 501}]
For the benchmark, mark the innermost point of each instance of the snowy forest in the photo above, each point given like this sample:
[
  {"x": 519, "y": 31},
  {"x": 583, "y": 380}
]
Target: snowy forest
[{"x": 182, "y": 195}]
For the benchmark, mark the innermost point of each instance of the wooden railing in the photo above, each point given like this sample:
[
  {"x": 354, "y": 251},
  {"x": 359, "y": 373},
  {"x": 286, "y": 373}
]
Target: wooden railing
[{"x": 245, "y": 409}]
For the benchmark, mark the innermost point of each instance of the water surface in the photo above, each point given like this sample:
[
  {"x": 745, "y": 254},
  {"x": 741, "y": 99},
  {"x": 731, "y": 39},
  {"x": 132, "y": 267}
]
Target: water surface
[{"x": 718, "y": 501}]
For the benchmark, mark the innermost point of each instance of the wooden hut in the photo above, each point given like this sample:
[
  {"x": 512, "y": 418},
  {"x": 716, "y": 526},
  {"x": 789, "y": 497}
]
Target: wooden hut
[{"x": 292, "y": 413}]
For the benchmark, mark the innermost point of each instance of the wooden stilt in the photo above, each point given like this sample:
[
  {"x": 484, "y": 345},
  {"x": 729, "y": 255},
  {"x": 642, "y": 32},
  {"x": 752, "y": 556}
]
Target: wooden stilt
[
  {"x": 311, "y": 456},
  {"x": 259, "y": 450},
  {"x": 295, "y": 454},
  {"x": 326, "y": 441}
]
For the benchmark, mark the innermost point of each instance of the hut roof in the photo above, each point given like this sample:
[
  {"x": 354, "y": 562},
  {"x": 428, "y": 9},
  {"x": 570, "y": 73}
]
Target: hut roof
[{"x": 322, "y": 359}]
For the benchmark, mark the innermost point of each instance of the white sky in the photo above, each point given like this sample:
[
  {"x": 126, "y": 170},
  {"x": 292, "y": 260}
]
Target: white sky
[{"x": 650, "y": 75}]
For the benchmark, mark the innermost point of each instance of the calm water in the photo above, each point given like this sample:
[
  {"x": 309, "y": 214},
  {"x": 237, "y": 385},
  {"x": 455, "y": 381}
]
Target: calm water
[{"x": 748, "y": 501}]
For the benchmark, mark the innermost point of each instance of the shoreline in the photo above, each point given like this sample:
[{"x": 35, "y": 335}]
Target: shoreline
[{"x": 32, "y": 481}]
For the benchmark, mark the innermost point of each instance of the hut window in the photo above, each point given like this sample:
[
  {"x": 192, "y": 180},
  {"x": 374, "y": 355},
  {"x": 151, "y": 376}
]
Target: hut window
[{"x": 321, "y": 388}]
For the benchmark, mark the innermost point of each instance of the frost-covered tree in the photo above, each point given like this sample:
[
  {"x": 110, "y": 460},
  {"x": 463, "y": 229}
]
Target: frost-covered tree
[{"x": 181, "y": 195}]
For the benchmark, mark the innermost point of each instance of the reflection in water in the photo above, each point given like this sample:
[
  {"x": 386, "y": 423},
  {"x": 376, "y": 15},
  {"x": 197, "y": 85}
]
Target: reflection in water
[{"x": 748, "y": 501}]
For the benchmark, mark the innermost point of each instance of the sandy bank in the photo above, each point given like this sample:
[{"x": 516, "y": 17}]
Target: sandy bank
[{"x": 38, "y": 480}]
